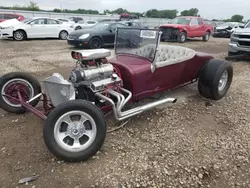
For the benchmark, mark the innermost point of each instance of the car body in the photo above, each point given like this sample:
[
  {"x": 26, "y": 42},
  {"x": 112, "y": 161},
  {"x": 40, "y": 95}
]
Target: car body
[
  {"x": 101, "y": 34},
  {"x": 183, "y": 27},
  {"x": 75, "y": 126},
  {"x": 76, "y": 19},
  {"x": 37, "y": 27},
  {"x": 226, "y": 29},
  {"x": 8, "y": 16},
  {"x": 239, "y": 44},
  {"x": 84, "y": 24}
]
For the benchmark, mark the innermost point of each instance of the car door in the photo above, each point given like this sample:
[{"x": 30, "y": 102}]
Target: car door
[
  {"x": 194, "y": 28},
  {"x": 202, "y": 28},
  {"x": 53, "y": 28},
  {"x": 36, "y": 28},
  {"x": 109, "y": 36}
]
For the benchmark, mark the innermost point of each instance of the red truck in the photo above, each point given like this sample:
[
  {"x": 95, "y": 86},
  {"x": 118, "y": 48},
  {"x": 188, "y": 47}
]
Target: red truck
[{"x": 183, "y": 27}]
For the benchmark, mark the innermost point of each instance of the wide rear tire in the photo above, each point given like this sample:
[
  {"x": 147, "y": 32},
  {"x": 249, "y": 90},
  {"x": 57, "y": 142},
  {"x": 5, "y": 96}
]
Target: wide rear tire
[
  {"x": 75, "y": 139},
  {"x": 215, "y": 79},
  {"x": 10, "y": 83}
]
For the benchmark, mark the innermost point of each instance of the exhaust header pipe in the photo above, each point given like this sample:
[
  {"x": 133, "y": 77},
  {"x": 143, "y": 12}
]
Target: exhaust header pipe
[{"x": 121, "y": 102}]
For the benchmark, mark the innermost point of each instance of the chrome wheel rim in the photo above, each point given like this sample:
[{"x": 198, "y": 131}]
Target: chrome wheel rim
[
  {"x": 16, "y": 81},
  {"x": 223, "y": 81},
  {"x": 63, "y": 35},
  {"x": 75, "y": 131},
  {"x": 18, "y": 35}
]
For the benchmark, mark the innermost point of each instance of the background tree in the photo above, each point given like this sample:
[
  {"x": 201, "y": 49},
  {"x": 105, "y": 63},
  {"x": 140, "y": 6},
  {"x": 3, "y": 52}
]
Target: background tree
[
  {"x": 57, "y": 10},
  {"x": 33, "y": 6},
  {"x": 190, "y": 12},
  {"x": 237, "y": 18},
  {"x": 154, "y": 13}
]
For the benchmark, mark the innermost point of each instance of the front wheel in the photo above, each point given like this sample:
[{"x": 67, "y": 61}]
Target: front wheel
[
  {"x": 95, "y": 43},
  {"x": 74, "y": 131},
  {"x": 182, "y": 37},
  {"x": 18, "y": 82},
  {"x": 215, "y": 79},
  {"x": 19, "y": 35}
]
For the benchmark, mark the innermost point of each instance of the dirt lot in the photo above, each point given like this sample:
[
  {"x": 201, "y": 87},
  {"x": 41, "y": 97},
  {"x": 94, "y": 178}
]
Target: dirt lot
[{"x": 194, "y": 143}]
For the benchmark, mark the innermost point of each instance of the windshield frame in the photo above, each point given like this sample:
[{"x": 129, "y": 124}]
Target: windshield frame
[
  {"x": 134, "y": 55},
  {"x": 181, "y": 23}
]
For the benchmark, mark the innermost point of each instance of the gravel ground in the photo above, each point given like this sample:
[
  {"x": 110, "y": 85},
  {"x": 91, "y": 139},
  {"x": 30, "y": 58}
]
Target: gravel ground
[{"x": 193, "y": 143}]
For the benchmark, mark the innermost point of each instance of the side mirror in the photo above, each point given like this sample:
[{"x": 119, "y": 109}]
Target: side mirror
[{"x": 32, "y": 23}]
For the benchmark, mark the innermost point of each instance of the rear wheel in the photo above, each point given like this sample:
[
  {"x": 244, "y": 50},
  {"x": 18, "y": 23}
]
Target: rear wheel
[
  {"x": 11, "y": 84},
  {"x": 95, "y": 43},
  {"x": 74, "y": 131},
  {"x": 63, "y": 35},
  {"x": 182, "y": 37},
  {"x": 206, "y": 37},
  {"x": 215, "y": 79}
]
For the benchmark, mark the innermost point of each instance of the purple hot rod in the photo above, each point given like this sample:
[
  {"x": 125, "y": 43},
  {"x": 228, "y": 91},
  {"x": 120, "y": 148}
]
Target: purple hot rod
[{"x": 75, "y": 127}]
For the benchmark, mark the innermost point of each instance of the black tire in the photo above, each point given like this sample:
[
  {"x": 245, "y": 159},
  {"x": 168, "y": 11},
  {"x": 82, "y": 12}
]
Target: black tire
[
  {"x": 59, "y": 111},
  {"x": 78, "y": 27},
  {"x": 95, "y": 43},
  {"x": 63, "y": 35},
  {"x": 18, "y": 75},
  {"x": 182, "y": 37},
  {"x": 209, "y": 77},
  {"x": 231, "y": 54},
  {"x": 19, "y": 35},
  {"x": 206, "y": 37}
]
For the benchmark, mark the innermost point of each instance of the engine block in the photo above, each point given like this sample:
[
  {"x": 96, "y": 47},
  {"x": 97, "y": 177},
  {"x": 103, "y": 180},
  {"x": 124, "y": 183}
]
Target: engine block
[{"x": 96, "y": 77}]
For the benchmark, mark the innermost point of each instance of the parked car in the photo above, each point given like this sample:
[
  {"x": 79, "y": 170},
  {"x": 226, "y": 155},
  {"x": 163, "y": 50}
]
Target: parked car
[
  {"x": 240, "y": 42},
  {"x": 84, "y": 24},
  {"x": 37, "y": 27},
  {"x": 226, "y": 29},
  {"x": 76, "y": 19},
  {"x": 108, "y": 20},
  {"x": 8, "y": 16},
  {"x": 101, "y": 34},
  {"x": 134, "y": 24},
  {"x": 74, "y": 123},
  {"x": 64, "y": 20},
  {"x": 183, "y": 27}
]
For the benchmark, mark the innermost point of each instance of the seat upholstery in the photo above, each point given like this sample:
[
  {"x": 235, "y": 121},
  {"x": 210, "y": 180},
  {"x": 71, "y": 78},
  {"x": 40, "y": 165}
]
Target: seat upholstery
[{"x": 166, "y": 55}]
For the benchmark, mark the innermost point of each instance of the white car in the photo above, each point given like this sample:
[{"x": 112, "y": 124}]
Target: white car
[
  {"x": 38, "y": 27},
  {"x": 84, "y": 24},
  {"x": 65, "y": 20}
]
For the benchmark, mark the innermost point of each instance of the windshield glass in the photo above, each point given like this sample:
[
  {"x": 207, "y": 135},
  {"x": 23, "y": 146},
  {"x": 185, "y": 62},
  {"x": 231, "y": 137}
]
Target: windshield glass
[
  {"x": 184, "y": 21},
  {"x": 101, "y": 26},
  {"x": 247, "y": 25},
  {"x": 81, "y": 22},
  {"x": 137, "y": 42},
  {"x": 26, "y": 20}
]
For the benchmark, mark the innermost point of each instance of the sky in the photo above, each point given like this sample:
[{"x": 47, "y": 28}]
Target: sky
[{"x": 209, "y": 9}]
